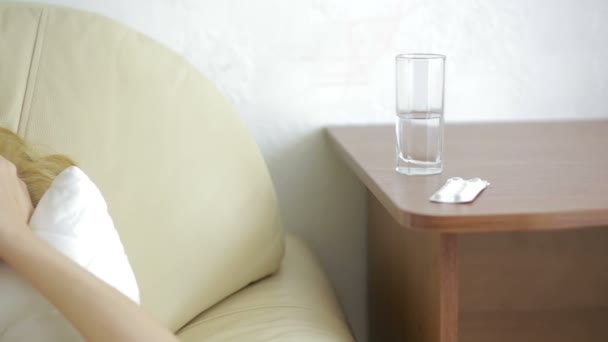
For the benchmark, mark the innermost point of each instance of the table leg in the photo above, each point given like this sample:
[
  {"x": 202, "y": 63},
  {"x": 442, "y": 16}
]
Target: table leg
[{"x": 413, "y": 281}]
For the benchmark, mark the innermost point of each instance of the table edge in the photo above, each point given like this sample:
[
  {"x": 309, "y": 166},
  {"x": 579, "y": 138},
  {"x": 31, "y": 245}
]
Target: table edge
[{"x": 534, "y": 221}]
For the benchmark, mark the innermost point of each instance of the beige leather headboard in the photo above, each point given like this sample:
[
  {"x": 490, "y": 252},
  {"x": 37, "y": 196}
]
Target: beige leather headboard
[{"x": 183, "y": 178}]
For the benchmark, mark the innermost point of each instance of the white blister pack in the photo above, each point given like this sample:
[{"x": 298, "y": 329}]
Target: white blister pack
[{"x": 458, "y": 190}]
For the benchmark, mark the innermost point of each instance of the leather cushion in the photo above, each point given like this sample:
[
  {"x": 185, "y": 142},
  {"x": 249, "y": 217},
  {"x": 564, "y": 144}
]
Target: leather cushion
[
  {"x": 189, "y": 192},
  {"x": 295, "y": 304}
]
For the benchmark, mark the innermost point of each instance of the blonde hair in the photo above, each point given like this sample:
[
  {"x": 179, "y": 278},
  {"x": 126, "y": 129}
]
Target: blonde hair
[{"x": 36, "y": 171}]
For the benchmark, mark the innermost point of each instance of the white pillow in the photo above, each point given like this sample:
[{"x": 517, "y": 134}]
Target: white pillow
[{"x": 73, "y": 217}]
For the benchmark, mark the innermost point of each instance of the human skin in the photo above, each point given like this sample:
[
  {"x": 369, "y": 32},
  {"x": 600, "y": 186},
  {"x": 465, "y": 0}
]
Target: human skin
[{"x": 99, "y": 312}]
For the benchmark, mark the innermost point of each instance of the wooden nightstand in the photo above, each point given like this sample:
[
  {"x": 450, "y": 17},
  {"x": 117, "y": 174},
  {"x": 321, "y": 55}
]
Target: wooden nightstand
[{"x": 514, "y": 265}]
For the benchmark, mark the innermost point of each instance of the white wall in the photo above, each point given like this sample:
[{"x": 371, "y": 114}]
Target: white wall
[{"x": 293, "y": 67}]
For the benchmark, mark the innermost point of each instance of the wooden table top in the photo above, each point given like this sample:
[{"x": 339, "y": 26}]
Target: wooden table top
[{"x": 543, "y": 175}]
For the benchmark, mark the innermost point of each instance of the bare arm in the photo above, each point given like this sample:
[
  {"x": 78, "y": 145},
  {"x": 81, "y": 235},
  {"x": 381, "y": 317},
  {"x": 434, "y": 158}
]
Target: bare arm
[{"x": 95, "y": 309}]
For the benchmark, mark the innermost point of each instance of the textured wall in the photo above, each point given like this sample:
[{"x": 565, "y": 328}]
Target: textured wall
[{"x": 293, "y": 67}]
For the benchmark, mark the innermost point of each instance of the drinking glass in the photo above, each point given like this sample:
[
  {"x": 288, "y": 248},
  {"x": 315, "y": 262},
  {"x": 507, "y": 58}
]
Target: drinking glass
[{"x": 419, "y": 103}]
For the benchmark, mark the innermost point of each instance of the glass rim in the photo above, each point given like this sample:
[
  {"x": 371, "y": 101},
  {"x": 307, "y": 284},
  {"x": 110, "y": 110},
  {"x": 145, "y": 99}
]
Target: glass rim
[{"x": 420, "y": 56}]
